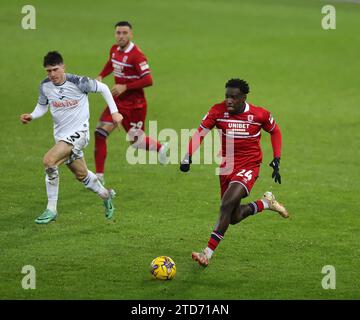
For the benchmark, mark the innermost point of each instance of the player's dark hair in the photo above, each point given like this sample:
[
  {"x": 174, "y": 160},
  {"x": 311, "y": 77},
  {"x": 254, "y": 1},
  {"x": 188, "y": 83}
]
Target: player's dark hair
[
  {"x": 123, "y": 24},
  {"x": 53, "y": 58},
  {"x": 240, "y": 84}
]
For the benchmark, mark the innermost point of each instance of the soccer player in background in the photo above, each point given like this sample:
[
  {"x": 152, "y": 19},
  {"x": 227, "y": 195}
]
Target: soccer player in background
[
  {"x": 67, "y": 96},
  {"x": 132, "y": 74},
  {"x": 240, "y": 124}
]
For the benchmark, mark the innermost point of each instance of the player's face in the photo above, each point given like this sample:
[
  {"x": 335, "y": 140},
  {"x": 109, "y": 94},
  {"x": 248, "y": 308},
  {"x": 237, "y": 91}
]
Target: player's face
[
  {"x": 56, "y": 73},
  {"x": 234, "y": 100},
  {"x": 123, "y": 35}
]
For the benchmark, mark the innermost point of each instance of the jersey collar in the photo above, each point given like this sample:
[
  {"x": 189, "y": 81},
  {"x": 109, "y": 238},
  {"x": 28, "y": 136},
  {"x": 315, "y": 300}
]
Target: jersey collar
[
  {"x": 247, "y": 107},
  {"x": 129, "y": 48},
  {"x": 59, "y": 85}
]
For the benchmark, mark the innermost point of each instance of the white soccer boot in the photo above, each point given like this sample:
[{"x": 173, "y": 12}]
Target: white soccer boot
[
  {"x": 201, "y": 258},
  {"x": 274, "y": 205},
  {"x": 162, "y": 153}
]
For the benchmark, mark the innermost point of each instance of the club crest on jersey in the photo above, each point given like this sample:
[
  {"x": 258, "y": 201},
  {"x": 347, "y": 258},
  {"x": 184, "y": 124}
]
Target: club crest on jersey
[
  {"x": 250, "y": 117},
  {"x": 113, "y": 55},
  {"x": 125, "y": 59},
  {"x": 226, "y": 114}
]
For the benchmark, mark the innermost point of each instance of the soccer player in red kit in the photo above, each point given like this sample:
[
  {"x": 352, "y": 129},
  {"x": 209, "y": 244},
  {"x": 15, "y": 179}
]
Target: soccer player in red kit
[
  {"x": 132, "y": 74},
  {"x": 240, "y": 125}
]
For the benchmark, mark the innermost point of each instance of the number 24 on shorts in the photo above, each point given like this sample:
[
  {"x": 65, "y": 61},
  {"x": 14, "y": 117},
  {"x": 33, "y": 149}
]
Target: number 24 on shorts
[{"x": 246, "y": 174}]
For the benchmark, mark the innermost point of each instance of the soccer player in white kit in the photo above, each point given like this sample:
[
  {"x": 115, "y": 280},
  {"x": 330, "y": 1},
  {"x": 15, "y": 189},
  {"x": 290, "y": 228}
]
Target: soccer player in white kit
[{"x": 66, "y": 94}]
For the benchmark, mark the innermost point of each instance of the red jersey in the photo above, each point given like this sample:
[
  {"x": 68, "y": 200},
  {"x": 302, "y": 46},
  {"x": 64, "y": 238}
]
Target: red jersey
[
  {"x": 128, "y": 66},
  {"x": 241, "y": 131}
]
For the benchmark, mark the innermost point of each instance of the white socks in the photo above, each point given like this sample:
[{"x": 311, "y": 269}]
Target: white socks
[
  {"x": 92, "y": 182},
  {"x": 208, "y": 252},
  {"x": 52, "y": 187},
  {"x": 266, "y": 204},
  {"x": 100, "y": 175}
]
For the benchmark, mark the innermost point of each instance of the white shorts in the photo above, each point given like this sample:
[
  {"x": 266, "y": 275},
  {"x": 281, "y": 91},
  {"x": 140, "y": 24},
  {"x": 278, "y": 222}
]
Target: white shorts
[{"x": 79, "y": 140}]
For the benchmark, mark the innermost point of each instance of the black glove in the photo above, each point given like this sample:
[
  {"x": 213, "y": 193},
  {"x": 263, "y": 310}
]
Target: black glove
[
  {"x": 275, "y": 164},
  {"x": 185, "y": 163}
]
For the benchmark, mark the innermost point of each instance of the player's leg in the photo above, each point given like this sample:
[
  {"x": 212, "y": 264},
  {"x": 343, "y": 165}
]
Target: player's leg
[
  {"x": 242, "y": 211},
  {"x": 230, "y": 200},
  {"x": 52, "y": 159},
  {"x": 91, "y": 182},
  {"x": 138, "y": 138},
  {"x": 77, "y": 165},
  {"x": 102, "y": 131},
  {"x": 247, "y": 177},
  {"x": 267, "y": 202},
  {"x": 89, "y": 179}
]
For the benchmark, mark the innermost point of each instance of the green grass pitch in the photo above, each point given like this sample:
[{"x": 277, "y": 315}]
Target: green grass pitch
[{"x": 308, "y": 77}]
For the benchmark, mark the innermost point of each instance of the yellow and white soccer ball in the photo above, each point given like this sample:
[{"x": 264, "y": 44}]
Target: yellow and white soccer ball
[{"x": 163, "y": 268}]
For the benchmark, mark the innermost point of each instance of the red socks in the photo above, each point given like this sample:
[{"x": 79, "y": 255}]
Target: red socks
[
  {"x": 257, "y": 206},
  {"x": 214, "y": 240},
  {"x": 100, "y": 151}
]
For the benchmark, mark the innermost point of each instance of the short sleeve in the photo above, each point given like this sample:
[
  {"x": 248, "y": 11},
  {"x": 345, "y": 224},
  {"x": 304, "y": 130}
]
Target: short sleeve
[
  {"x": 141, "y": 64},
  {"x": 209, "y": 120},
  {"x": 87, "y": 85},
  {"x": 268, "y": 123},
  {"x": 43, "y": 100}
]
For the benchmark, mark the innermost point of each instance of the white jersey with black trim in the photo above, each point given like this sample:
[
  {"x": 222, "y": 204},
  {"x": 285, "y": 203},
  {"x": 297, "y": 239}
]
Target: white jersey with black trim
[{"x": 69, "y": 103}]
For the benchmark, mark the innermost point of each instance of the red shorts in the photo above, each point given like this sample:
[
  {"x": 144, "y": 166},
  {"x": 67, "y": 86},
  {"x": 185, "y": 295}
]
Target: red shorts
[
  {"x": 246, "y": 175},
  {"x": 134, "y": 119}
]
